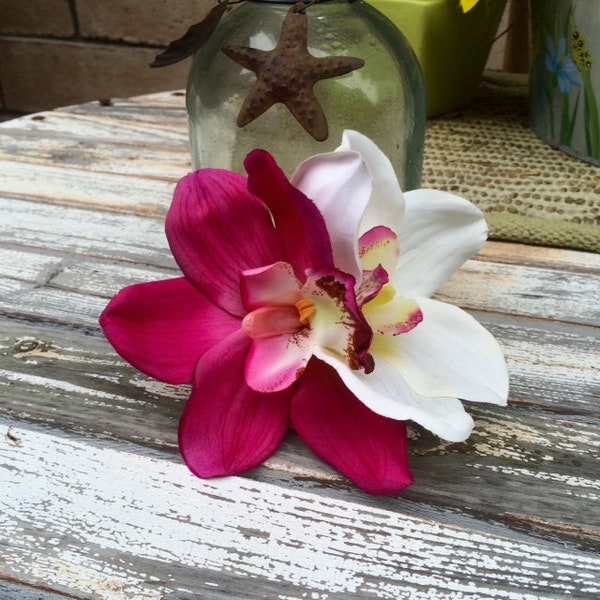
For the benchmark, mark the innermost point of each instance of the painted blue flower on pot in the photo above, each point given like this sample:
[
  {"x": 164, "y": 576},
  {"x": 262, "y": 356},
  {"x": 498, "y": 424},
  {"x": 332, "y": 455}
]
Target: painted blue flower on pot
[
  {"x": 562, "y": 76},
  {"x": 560, "y": 63},
  {"x": 564, "y": 79}
]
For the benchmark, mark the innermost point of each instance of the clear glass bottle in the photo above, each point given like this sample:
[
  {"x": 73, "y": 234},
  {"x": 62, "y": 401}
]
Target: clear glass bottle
[{"x": 385, "y": 99}]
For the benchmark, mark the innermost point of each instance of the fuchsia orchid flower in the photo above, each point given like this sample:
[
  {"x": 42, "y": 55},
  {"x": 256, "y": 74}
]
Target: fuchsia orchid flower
[{"x": 308, "y": 301}]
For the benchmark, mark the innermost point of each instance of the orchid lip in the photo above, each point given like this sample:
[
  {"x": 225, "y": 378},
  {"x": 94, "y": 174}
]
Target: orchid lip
[{"x": 269, "y": 321}]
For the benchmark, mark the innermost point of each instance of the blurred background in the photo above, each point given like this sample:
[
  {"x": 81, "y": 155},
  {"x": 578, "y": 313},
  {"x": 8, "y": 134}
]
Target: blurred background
[{"x": 61, "y": 52}]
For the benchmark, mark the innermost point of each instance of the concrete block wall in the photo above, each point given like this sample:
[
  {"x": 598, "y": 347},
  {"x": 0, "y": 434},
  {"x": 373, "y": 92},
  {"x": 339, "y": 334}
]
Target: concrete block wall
[{"x": 59, "y": 52}]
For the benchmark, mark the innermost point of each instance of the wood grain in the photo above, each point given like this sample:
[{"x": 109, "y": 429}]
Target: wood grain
[
  {"x": 95, "y": 502},
  {"x": 238, "y": 533}
]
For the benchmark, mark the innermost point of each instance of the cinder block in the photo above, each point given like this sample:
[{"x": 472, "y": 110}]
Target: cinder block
[
  {"x": 152, "y": 22},
  {"x": 36, "y": 17},
  {"x": 43, "y": 74}
]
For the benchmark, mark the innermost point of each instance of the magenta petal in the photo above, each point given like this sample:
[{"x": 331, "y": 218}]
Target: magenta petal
[
  {"x": 366, "y": 447},
  {"x": 216, "y": 230},
  {"x": 299, "y": 223},
  {"x": 163, "y": 327},
  {"x": 226, "y": 427}
]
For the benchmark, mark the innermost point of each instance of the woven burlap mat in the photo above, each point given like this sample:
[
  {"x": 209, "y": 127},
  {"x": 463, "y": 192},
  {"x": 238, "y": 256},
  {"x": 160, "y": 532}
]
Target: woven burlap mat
[{"x": 529, "y": 191}]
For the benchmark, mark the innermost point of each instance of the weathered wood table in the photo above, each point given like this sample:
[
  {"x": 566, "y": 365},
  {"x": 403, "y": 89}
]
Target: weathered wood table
[{"x": 95, "y": 501}]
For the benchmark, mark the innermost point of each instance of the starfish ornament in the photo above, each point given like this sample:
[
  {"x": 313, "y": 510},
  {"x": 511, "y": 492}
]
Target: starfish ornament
[{"x": 288, "y": 73}]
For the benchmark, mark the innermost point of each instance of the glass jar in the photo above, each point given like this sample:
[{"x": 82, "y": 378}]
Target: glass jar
[{"x": 384, "y": 100}]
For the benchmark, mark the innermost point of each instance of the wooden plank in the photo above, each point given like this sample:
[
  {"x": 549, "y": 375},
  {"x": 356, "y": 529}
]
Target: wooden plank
[
  {"x": 167, "y": 100},
  {"x": 551, "y": 293},
  {"x": 73, "y": 512},
  {"x": 19, "y": 213},
  {"x": 122, "y": 122},
  {"x": 540, "y": 256},
  {"x": 120, "y": 138},
  {"x": 74, "y": 380},
  {"x": 13, "y": 591},
  {"x": 530, "y": 460},
  {"x": 111, "y": 191},
  {"x": 523, "y": 290},
  {"x": 521, "y": 468},
  {"x": 63, "y": 287},
  {"x": 164, "y": 162},
  {"x": 80, "y": 275},
  {"x": 567, "y": 292},
  {"x": 548, "y": 367},
  {"x": 64, "y": 230}
]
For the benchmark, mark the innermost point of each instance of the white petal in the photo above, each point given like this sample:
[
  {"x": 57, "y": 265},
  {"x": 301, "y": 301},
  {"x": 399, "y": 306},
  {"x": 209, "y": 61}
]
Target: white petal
[
  {"x": 385, "y": 392},
  {"x": 340, "y": 186},
  {"x": 438, "y": 233},
  {"x": 386, "y": 205},
  {"x": 448, "y": 354}
]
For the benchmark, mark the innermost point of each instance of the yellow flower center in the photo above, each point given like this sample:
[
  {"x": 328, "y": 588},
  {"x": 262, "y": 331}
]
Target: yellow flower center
[{"x": 306, "y": 309}]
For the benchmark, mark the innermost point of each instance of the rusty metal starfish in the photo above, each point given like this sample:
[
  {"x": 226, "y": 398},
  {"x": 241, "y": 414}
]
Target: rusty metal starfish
[{"x": 288, "y": 73}]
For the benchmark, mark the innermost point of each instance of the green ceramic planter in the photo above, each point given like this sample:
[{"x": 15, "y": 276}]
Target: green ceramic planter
[
  {"x": 565, "y": 75},
  {"x": 452, "y": 46}
]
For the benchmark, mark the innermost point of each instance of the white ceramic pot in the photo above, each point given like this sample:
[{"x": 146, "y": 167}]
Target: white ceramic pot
[{"x": 565, "y": 75}]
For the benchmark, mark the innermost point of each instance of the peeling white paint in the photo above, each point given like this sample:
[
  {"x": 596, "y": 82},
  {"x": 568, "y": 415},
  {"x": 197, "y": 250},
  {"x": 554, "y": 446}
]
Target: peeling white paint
[
  {"x": 111, "y": 521},
  {"x": 99, "y": 501}
]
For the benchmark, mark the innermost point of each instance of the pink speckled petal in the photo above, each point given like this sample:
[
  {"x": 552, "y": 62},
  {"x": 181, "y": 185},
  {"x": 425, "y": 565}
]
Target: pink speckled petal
[
  {"x": 275, "y": 363},
  {"x": 390, "y": 314},
  {"x": 379, "y": 246}
]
